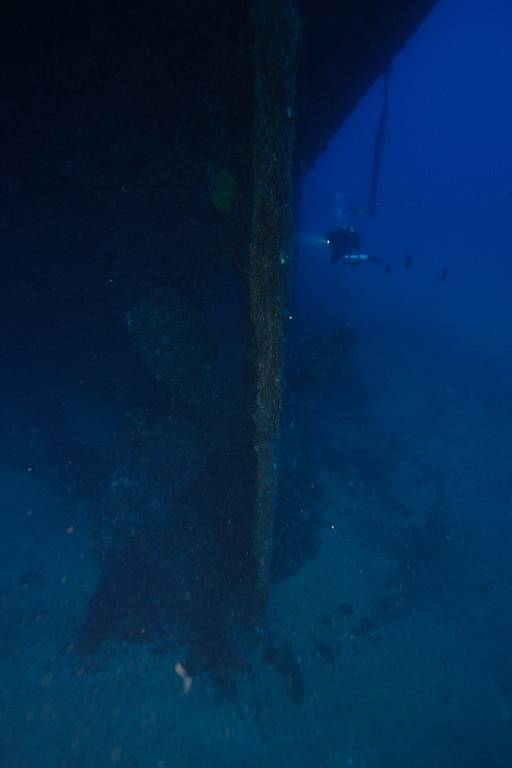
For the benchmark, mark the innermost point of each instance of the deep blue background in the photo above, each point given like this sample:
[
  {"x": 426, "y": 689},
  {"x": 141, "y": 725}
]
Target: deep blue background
[{"x": 445, "y": 192}]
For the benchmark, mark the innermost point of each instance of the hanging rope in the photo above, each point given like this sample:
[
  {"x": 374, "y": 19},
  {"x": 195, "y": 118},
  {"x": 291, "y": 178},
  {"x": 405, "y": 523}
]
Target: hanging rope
[{"x": 378, "y": 149}]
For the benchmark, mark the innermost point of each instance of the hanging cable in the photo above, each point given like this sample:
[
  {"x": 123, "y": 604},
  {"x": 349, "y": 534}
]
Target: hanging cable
[{"x": 378, "y": 149}]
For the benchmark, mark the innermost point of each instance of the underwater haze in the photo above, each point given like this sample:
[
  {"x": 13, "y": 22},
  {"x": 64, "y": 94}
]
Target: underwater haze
[{"x": 129, "y": 633}]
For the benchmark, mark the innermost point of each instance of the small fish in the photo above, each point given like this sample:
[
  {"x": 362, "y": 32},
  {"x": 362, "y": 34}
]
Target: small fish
[
  {"x": 441, "y": 276},
  {"x": 359, "y": 211},
  {"x": 387, "y": 269},
  {"x": 408, "y": 259}
]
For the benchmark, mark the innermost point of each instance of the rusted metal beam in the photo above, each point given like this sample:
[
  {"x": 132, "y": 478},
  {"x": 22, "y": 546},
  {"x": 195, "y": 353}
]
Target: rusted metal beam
[{"x": 275, "y": 28}]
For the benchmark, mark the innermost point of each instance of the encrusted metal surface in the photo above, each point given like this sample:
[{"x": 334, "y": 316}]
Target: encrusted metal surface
[{"x": 275, "y": 44}]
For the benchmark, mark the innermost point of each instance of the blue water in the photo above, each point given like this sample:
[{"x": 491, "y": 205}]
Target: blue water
[{"x": 387, "y": 637}]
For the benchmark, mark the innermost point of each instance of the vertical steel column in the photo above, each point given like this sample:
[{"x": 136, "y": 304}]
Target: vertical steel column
[{"x": 275, "y": 26}]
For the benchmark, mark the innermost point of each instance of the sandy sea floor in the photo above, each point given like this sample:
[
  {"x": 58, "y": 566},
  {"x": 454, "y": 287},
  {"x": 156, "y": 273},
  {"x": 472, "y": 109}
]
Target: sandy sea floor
[{"x": 402, "y": 626}]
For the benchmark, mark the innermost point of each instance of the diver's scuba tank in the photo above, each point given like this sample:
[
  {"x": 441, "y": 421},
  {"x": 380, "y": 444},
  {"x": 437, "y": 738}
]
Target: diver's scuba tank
[{"x": 355, "y": 258}]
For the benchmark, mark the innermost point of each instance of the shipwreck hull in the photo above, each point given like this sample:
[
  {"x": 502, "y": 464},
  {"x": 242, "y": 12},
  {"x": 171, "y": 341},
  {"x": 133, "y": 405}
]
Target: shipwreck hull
[{"x": 173, "y": 146}]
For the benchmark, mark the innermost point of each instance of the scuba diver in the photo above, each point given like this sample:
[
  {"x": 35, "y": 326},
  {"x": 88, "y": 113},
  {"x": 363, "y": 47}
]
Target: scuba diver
[
  {"x": 345, "y": 241},
  {"x": 345, "y": 245}
]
